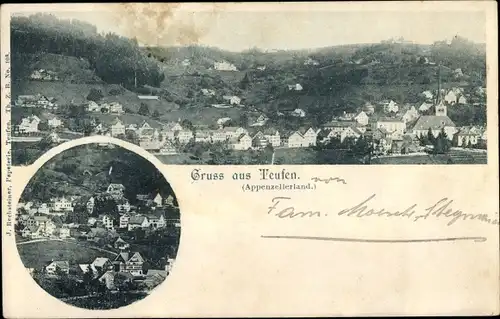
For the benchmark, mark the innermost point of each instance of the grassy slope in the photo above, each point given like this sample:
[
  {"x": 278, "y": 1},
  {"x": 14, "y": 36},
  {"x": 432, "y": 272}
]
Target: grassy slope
[{"x": 39, "y": 254}]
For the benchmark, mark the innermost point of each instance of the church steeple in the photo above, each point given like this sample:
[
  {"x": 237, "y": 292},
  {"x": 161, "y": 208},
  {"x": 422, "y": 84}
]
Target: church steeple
[{"x": 440, "y": 107}]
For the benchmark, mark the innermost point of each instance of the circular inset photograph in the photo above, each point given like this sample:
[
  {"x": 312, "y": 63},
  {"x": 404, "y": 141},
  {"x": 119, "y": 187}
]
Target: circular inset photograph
[{"x": 98, "y": 226}]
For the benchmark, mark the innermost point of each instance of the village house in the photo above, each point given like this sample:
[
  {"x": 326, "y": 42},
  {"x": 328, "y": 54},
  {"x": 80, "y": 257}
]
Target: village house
[
  {"x": 131, "y": 127},
  {"x": 427, "y": 95},
  {"x": 339, "y": 126},
  {"x": 295, "y": 139},
  {"x": 298, "y": 113},
  {"x": 54, "y": 122},
  {"x": 310, "y": 61},
  {"x": 115, "y": 108},
  {"x": 121, "y": 244},
  {"x": 107, "y": 221},
  {"x": 310, "y": 136},
  {"x": 115, "y": 189},
  {"x": 64, "y": 232},
  {"x": 295, "y": 87},
  {"x": 260, "y": 121},
  {"x": 43, "y": 209},
  {"x": 186, "y": 62},
  {"x": 391, "y": 107},
  {"x": 233, "y": 131},
  {"x": 158, "y": 200},
  {"x": 273, "y": 136},
  {"x": 62, "y": 204},
  {"x": 117, "y": 128},
  {"x": 369, "y": 108},
  {"x": 57, "y": 266},
  {"x": 425, "y": 107},
  {"x": 462, "y": 100},
  {"x": 259, "y": 140},
  {"x": 168, "y": 130},
  {"x": 451, "y": 97},
  {"x": 261, "y": 68},
  {"x": 232, "y": 99},
  {"x": 145, "y": 131},
  {"x": 90, "y": 205},
  {"x": 122, "y": 205},
  {"x": 410, "y": 114},
  {"x": 362, "y": 118},
  {"x": 102, "y": 264},
  {"x": 124, "y": 219},
  {"x": 169, "y": 201},
  {"x": 138, "y": 221},
  {"x": 29, "y": 124},
  {"x": 349, "y": 132},
  {"x": 131, "y": 263},
  {"x": 167, "y": 148},
  {"x": 203, "y": 136},
  {"x": 92, "y": 106},
  {"x": 395, "y": 127},
  {"x": 183, "y": 136},
  {"x": 467, "y": 136},
  {"x": 156, "y": 222},
  {"x": 224, "y": 66},
  {"x": 208, "y": 92},
  {"x": 242, "y": 142},
  {"x": 222, "y": 121}
]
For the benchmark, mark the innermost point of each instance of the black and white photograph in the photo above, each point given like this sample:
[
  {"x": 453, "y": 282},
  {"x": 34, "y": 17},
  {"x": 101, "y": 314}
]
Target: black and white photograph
[
  {"x": 98, "y": 227},
  {"x": 223, "y": 94}
]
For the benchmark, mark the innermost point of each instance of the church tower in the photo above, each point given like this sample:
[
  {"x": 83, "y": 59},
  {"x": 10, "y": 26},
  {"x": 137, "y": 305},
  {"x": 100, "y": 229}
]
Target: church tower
[{"x": 440, "y": 107}]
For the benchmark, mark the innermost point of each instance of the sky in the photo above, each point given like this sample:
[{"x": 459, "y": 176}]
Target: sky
[{"x": 237, "y": 29}]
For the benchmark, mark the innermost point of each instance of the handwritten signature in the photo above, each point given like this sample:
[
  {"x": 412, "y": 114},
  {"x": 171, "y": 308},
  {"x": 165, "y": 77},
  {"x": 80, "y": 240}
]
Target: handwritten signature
[
  {"x": 329, "y": 179},
  {"x": 440, "y": 210}
]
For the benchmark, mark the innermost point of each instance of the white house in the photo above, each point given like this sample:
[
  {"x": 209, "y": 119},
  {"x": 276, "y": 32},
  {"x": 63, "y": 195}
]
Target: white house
[
  {"x": 54, "y": 266},
  {"x": 309, "y": 136},
  {"x": 208, "y": 92},
  {"x": 138, "y": 221},
  {"x": 117, "y": 128},
  {"x": 391, "y": 107},
  {"x": 183, "y": 136},
  {"x": 92, "y": 107},
  {"x": 242, "y": 142},
  {"x": 54, "y": 122},
  {"x": 350, "y": 132},
  {"x": 451, "y": 97},
  {"x": 64, "y": 232},
  {"x": 223, "y": 120},
  {"x": 362, "y": 118},
  {"x": 124, "y": 220},
  {"x": 232, "y": 99},
  {"x": 261, "y": 120},
  {"x": 296, "y": 139},
  {"x": 410, "y": 114},
  {"x": 158, "y": 200},
  {"x": 425, "y": 106},
  {"x": 224, "y": 66},
  {"x": 462, "y": 100},
  {"x": 295, "y": 87},
  {"x": 115, "y": 108},
  {"x": 107, "y": 221},
  {"x": 428, "y": 95},
  {"x": 232, "y": 131},
  {"x": 62, "y": 204},
  {"x": 298, "y": 113},
  {"x": 394, "y": 126},
  {"x": 466, "y": 136},
  {"x": 29, "y": 124},
  {"x": 273, "y": 137}
]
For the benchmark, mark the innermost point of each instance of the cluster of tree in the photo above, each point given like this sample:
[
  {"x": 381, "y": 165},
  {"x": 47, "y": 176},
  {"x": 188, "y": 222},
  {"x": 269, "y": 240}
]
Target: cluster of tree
[
  {"x": 115, "y": 59},
  {"x": 441, "y": 144}
]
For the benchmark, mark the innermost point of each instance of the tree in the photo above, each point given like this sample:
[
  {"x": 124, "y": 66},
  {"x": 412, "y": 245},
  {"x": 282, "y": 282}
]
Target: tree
[
  {"x": 430, "y": 136},
  {"x": 156, "y": 114},
  {"x": 95, "y": 95},
  {"x": 143, "y": 109},
  {"x": 244, "y": 83},
  {"x": 79, "y": 215},
  {"x": 132, "y": 137},
  {"x": 186, "y": 124}
]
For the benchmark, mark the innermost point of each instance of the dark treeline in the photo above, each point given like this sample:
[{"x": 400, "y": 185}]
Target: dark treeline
[{"x": 115, "y": 59}]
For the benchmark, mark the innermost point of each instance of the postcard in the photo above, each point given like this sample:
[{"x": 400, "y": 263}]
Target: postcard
[{"x": 249, "y": 160}]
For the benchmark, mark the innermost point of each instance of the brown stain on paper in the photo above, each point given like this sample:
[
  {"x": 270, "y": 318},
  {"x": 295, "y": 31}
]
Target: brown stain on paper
[{"x": 165, "y": 24}]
